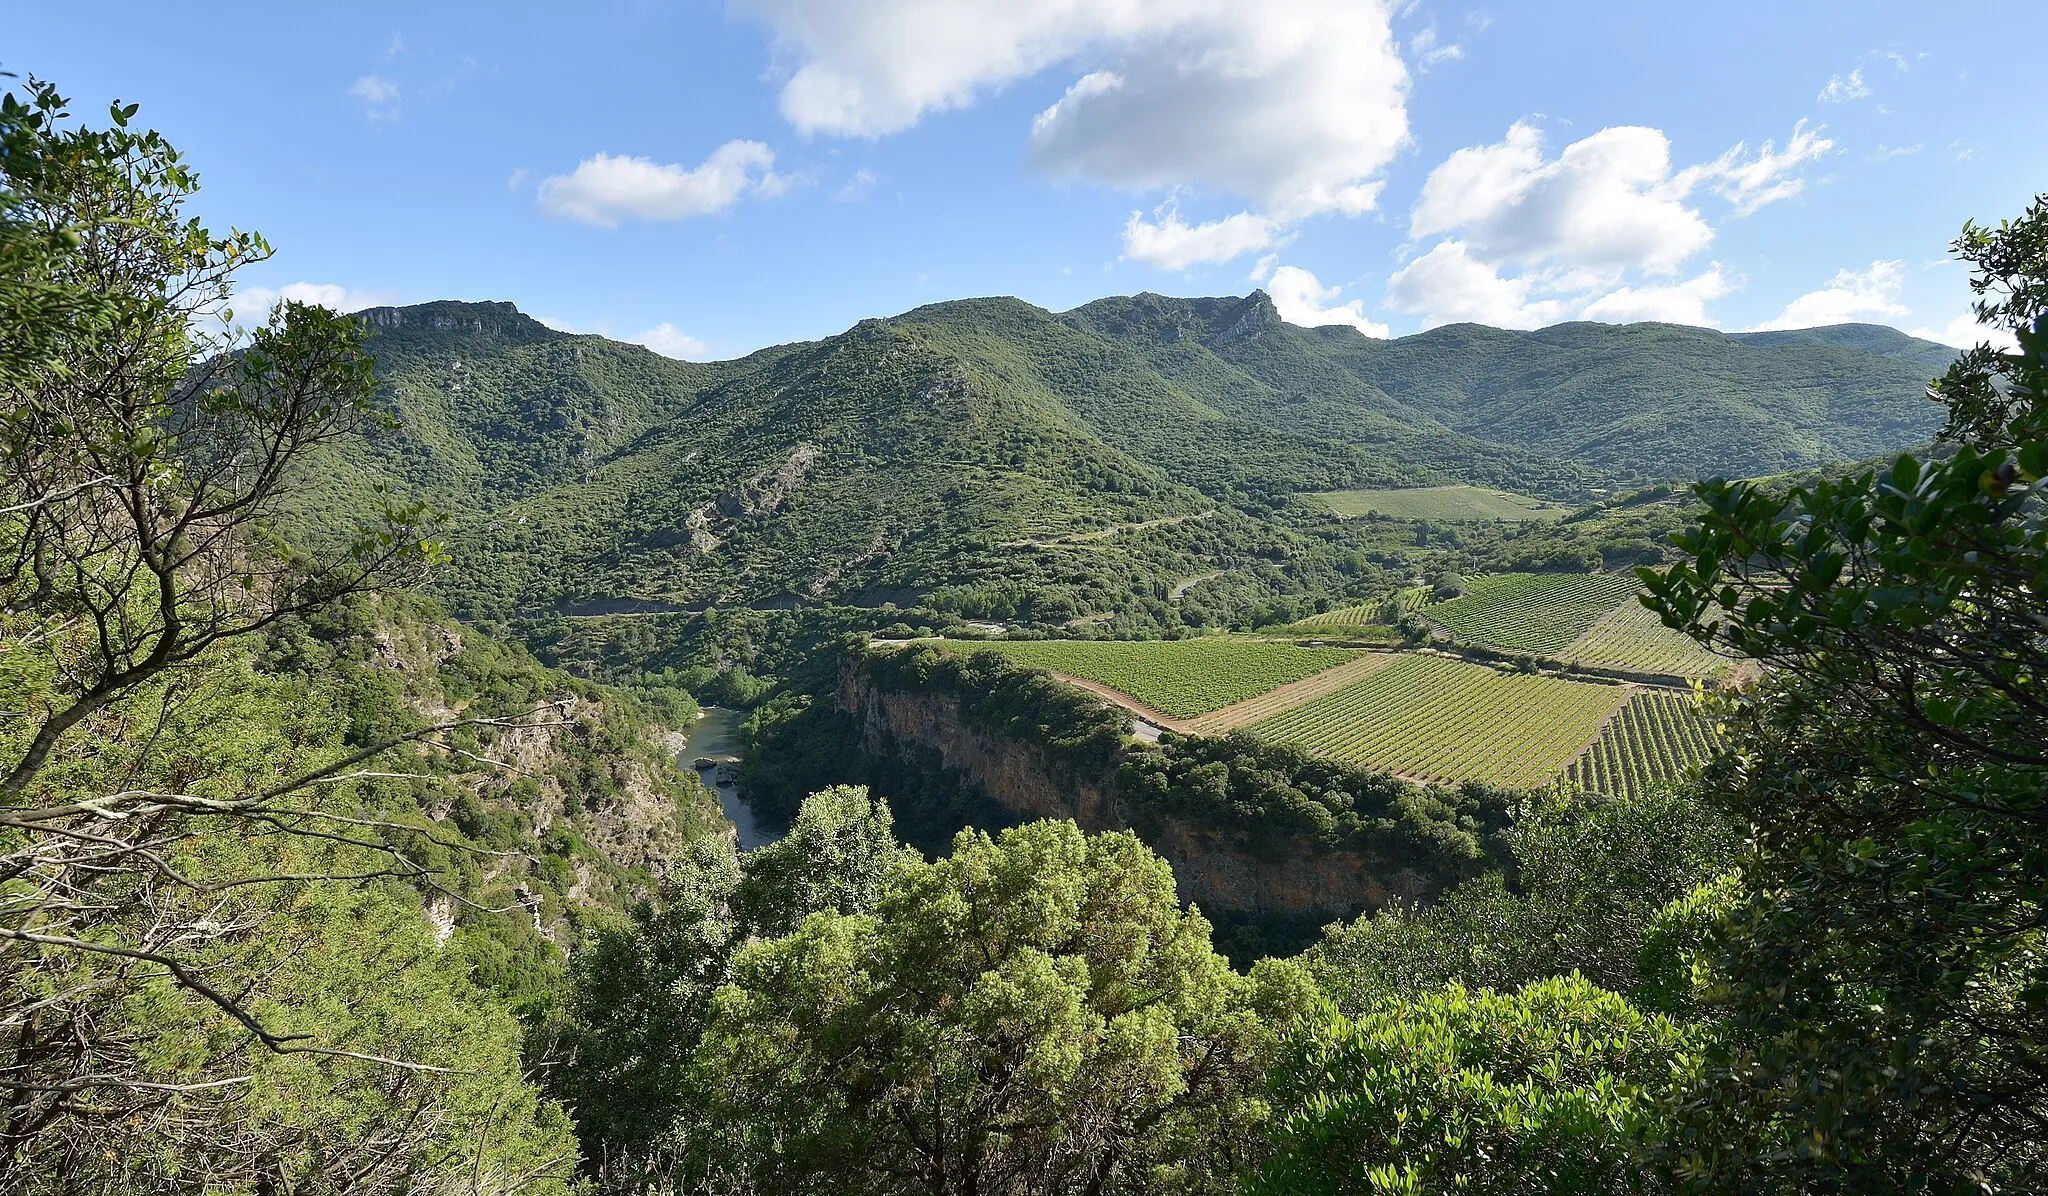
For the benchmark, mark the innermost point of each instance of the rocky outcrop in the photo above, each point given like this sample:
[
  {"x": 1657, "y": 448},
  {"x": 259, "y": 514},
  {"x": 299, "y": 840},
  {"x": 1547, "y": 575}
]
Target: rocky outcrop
[
  {"x": 1298, "y": 880},
  {"x": 757, "y": 495}
]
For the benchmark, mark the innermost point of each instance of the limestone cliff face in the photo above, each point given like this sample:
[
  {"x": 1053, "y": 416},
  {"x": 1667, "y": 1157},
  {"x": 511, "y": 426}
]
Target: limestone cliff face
[{"x": 1304, "y": 879}]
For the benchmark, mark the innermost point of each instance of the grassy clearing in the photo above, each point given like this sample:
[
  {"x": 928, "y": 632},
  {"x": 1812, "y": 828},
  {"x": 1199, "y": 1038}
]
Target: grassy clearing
[
  {"x": 1632, "y": 637},
  {"x": 1532, "y": 612},
  {"x": 1439, "y": 502},
  {"x": 1183, "y": 678},
  {"x": 1443, "y": 719},
  {"x": 1654, "y": 739}
]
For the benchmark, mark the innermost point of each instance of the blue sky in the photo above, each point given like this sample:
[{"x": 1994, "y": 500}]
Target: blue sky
[{"x": 713, "y": 178}]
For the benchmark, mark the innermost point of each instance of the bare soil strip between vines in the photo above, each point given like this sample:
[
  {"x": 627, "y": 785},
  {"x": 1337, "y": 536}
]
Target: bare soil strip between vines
[
  {"x": 1290, "y": 695},
  {"x": 1250, "y": 710}
]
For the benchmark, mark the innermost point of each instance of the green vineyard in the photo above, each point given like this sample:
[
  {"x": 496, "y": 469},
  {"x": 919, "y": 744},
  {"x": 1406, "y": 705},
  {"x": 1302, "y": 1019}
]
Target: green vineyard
[
  {"x": 1182, "y": 678},
  {"x": 1444, "y": 719},
  {"x": 1531, "y": 612},
  {"x": 1447, "y": 503},
  {"x": 1633, "y": 637},
  {"x": 1654, "y": 739}
]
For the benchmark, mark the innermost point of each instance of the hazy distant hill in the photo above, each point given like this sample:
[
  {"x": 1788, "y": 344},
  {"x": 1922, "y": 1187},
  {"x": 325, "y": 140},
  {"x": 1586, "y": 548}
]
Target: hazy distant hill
[{"x": 977, "y": 442}]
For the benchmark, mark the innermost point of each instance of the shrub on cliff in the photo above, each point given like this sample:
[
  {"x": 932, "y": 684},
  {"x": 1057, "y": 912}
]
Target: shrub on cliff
[
  {"x": 1274, "y": 793},
  {"x": 1004, "y": 698}
]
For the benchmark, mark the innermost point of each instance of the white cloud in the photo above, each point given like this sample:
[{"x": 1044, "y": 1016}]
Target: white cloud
[
  {"x": 1607, "y": 202},
  {"x": 1525, "y": 237},
  {"x": 856, "y": 186},
  {"x": 252, "y": 305},
  {"x": 1295, "y": 107},
  {"x": 380, "y": 97},
  {"x": 1851, "y": 295},
  {"x": 1430, "y": 51},
  {"x": 670, "y": 341},
  {"x": 1768, "y": 177},
  {"x": 1448, "y": 285},
  {"x": 1885, "y": 153},
  {"x": 1301, "y": 299},
  {"x": 1172, "y": 244},
  {"x": 1676, "y": 303},
  {"x": 604, "y": 189},
  {"x": 1964, "y": 332},
  {"x": 1843, "y": 88}
]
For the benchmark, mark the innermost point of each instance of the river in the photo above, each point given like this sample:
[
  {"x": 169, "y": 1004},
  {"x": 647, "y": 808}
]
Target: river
[{"x": 717, "y": 735}]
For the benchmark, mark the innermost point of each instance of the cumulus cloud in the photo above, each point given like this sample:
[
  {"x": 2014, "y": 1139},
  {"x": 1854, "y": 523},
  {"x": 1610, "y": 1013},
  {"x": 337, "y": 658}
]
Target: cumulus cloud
[
  {"x": 1295, "y": 108},
  {"x": 1843, "y": 88},
  {"x": 1675, "y": 303},
  {"x": 1525, "y": 236},
  {"x": 605, "y": 189},
  {"x": 1964, "y": 332},
  {"x": 1171, "y": 244},
  {"x": 380, "y": 97},
  {"x": 252, "y": 305},
  {"x": 670, "y": 341},
  {"x": 1607, "y": 202},
  {"x": 1851, "y": 295},
  {"x": 1301, "y": 299},
  {"x": 1448, "y": 285}
]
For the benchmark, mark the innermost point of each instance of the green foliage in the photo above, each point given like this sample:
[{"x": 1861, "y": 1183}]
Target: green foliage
[
  {"x": 1182, "y": 678},
  {"x": 1675, "y": 968},
  {"x": 1273, "y": 794},
  {"x": 1881, "y": 980},
  {"x": 1553, "y": 1089},
  {"x": 836, "y": 855},
  {"x": 1591, "y": 879},
  {"x": 1537, "y": 612},
  {"x": 620, "y": 1051},
  {"x": 1033, "y": 1013},
  {"x": 1450, "y": 720}
]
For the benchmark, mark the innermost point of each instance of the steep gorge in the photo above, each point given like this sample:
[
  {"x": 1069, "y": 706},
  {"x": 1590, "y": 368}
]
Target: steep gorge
[{"x": 1291, "y": 883}]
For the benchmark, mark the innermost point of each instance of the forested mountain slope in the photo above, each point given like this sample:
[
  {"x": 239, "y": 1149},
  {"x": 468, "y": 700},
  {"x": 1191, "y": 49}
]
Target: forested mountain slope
[
  {"x": 1637, "y": 402},
  {"x": 971, "y": 443}
]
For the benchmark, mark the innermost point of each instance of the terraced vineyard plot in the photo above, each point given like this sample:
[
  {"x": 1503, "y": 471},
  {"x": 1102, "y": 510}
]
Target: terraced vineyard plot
[
  {"x": 1182, "y": 678},
  {"x": 1532, "y": 612},
  {"x": 1654, "y": 739},
  {"x": 1294, "y": 693},
  {"x": 1366, "y": 623},
  {"x": 1634, "y": 638},
  {"x": 1439, "y": 502},
  {"x": 1444, "y": 719},
  {"x": 1372, "y": 620}
]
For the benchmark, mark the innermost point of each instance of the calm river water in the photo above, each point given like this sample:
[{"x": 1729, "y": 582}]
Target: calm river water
[{"x": 717, "y": 735}]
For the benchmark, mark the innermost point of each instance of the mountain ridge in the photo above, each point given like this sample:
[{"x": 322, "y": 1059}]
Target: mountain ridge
[{"x": 912, "y": 455}]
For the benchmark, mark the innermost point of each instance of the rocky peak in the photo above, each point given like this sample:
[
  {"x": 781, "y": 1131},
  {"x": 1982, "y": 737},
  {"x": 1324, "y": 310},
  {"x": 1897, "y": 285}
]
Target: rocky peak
[
  {"x": 496, "y": 319},
  {"x": 1254, "y": 315}
]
